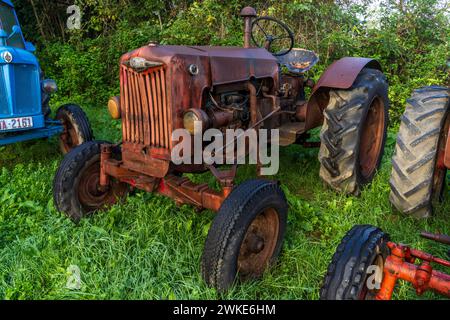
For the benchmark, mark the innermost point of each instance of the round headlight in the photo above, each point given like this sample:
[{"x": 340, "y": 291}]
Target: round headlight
[
  {"x": 49, "y": 86},
  {"x": 114, "y": 107},
  {"x": 195, "y": 115}
]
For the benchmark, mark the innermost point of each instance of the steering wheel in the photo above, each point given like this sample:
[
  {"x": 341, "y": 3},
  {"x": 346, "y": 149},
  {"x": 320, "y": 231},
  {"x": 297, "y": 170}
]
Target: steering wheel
[{"x": 272, "y": 34}]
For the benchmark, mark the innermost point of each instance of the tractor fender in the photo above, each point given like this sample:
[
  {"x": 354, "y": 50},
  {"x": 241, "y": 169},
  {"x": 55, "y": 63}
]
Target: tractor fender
[{"x": 340, "y": 75}]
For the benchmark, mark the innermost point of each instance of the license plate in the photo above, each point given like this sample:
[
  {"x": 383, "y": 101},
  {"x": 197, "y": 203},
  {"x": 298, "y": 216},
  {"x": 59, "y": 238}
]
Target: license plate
[{"x": 16, "y": 123}]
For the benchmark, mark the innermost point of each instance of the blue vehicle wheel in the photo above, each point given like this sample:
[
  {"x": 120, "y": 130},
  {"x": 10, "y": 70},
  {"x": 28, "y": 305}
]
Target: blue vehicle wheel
[{"x": 77, "y": 129}]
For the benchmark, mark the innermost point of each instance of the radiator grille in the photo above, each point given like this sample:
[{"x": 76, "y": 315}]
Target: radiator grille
[
  {"x": 19, "y": 90},
  {"x": 144, "y": 99},
  {"x": 26, "y": 88}
]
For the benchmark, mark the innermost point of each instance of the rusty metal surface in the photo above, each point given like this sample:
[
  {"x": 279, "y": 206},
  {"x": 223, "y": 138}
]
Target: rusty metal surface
[
  {"x": 91, "y": 195},
  {"x": 440, "y": 168},
  {"x": 105, "y": 156},
  {"x": 146, "y": 160},
  {"x": 254, "y": 114},
  {"x": 117, "y": 170},
  {"x": 154, "y": 101},
  {"x": 184, "y": 191},
  {"x": 147, "y": 114},
  {"x": 184, "y": 90},
  {"x": 69, "y": 139},
  {"x": 228, "y": 64},
  {"x": 343, "y": 73},
  {"x": 401, "y": 264},
  {"x": 231, "y": 65},
  {"x": 147, "y": 124},
  {"x": 248, "y": 13},
  {"x": 447, "y": 151},
  {"x": 372, "y": 139},
  {"x": 441, "y": 238},
  {"x": 340, "y": 75},
  {"x": 259, "y": 244}
]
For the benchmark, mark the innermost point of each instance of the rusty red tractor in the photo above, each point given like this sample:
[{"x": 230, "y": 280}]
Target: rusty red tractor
[
  {"x": 367, "y": 266},
  {"x": 259, "y": 86}
]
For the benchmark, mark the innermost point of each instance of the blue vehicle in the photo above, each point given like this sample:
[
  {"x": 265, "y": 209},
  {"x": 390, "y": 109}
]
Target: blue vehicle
[{"x": 25, "y": 93}]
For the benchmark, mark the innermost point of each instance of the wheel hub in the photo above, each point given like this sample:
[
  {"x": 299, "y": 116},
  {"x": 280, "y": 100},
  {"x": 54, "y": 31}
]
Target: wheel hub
[
  {"x": 259, "y": 244},
  {"x": 91, "y": 195},
  {"x": 255, "y": 243}
]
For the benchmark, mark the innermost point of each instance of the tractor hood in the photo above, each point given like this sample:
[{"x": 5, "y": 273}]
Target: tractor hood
[
  {"x": 222, "y": 65},
  {"x": 190, "y": 72},
  {"x": 20, "y": 87}
]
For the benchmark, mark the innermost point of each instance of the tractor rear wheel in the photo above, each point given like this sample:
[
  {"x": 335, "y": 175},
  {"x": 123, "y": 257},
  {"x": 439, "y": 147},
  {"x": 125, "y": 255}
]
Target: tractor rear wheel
[
  {"x": 247, "y": 234},
  {"x": 354, "y": 133},
  {"x": 419, "y": 174},
  {"x": 76, "y": 189},
  {"x": 356, "y": 271},
  {"x": 77, "y": 129}
]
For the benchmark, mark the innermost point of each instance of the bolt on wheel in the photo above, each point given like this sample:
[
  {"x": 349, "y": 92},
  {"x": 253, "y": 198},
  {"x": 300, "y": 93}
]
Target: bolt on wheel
[{"x": 259, "y": 244}]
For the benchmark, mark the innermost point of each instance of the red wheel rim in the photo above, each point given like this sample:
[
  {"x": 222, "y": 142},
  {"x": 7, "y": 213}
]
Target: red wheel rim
[
  {"x": 91, "y": 196},
  {"x": 259, "y": 244},
  {"x": 371, "y": 293},
  {"x": 372, "y": 138},
  {"x": 440, "y": 170},
  {"x": 69, "y": 138}
]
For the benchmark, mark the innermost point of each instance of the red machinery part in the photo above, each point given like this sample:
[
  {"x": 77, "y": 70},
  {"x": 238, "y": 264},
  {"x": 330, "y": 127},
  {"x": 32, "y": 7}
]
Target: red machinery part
[
  {"x": 447, "y": 152},
  {"x": 400, "y": 265},
  {"x": 342, "y": 74}
]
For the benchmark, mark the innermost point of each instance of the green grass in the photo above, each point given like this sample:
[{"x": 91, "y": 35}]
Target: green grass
[{"x": 148, "y": 248}]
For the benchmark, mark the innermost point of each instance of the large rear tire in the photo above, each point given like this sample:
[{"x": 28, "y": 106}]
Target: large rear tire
[
  {"x": 418, "y": 174},
  {"x": 354, "y": 133},
  {"x": 247, "y": 234},
  {"x": 348, "y": 274},
  {"x": 76, "y": 189}
]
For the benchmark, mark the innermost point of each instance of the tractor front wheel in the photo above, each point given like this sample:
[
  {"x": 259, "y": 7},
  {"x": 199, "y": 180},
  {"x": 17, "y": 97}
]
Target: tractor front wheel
[
  {"x": 76, "y": 188},
  {"x": 356, "y": 271},
  {"x": 77, "y": 129},
  {"x": 247, "y": 234},
  {"x": 354, "y": 133}
]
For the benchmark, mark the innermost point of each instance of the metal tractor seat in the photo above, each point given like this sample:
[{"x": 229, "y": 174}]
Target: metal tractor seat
[{"x": 299, "y": 61}]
